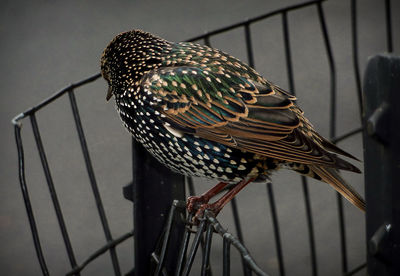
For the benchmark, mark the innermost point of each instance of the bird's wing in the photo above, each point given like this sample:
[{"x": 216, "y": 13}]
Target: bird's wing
[{"x": 237, "y": 112}]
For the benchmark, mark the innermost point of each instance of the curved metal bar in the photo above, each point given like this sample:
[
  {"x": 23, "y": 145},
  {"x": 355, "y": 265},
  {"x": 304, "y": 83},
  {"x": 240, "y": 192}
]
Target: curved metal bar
[
  {"x": 183, "y": 249},
  {"x": 52, "y": 190},
  {"x": 226, "y": 262},
  {"x": 275, "y": 225},
  {"x": 205, "y": 266},
  {"x": 93, "y": 181},
  {"x": 356, "y": 66},
  {"x": 193, "y": 249},
  {"x": 111, "y": 244},
  {"x": 255, "y": 19},
  {"x": 239, "y": 232},
  {"x": 53, "y": 97},
  {"x": 166, "y": 239},
  {"x": 27, "y": 201},
  {"x": 310, "y": 226},
  {"x": 288, "y": 55},
  {"x": 346, "y": 135},
  {"x": 249, "y": 47},
  {"x": 388, "y": 26}
]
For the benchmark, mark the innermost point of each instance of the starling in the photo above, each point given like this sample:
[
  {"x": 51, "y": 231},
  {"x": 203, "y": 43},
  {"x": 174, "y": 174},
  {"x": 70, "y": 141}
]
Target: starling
[{"x": 201, "y": 112}]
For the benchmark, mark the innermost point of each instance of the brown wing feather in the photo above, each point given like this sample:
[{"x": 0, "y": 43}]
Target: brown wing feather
[
  {"x": 255, "y": 117},
  {"x": 291, "y": 138}
]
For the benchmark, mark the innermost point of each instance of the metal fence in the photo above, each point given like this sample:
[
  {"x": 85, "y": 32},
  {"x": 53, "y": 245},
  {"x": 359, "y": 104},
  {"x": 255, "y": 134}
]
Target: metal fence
[{"x": 162, "y": 260}]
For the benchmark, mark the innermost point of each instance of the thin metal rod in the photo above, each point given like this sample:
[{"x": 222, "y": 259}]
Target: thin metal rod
[
  {"x": 226, "y": 253},
  {"x": 388, "y": 26},
  {"x": 54, "y": 97},
  {"x": 193, "y": 249},
  {"x": 52, "y": 190},
  {"x": 249, "y": 47},
  {"x": 332, "y": 70},
  {"x": 154, "y": 257},
  {"x": 236, "y": 219},
  {"x": 27, "y": 201},
  {"x": 310, "y": 225},
  {"x": 332, "y": 130},
  {"x": 255, "y": 19},
  {"x": 100, "y": 252},
  {"x": 356, "y": 67},
  {"x": 203, "y": 245},
  {"x": 205, "y": 266},
  {"x": 239, "y": 232},
  {"x": 275, "y": 225},
  {"x": 288, "y": 55},
  {"x": 166, "y": 239},
  {"x": 342, "y": 230},
  {"x": 92, "y": 178},
  {"x": 346, "y": 135},
  {"x": 183, "y": 249}
]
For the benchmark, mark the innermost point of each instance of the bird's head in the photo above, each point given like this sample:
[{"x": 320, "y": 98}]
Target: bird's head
[
  {"x": 111, "y": 64},
  {"x": 105, "y": 72},
  {"x": 128, "y": 57}
]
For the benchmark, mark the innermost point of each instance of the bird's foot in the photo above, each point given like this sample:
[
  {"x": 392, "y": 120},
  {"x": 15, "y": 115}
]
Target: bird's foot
[
  {"x": 198, "y": 204},
  {"x": 195, "y": 202},
  {"x": 214, "y": 208}
]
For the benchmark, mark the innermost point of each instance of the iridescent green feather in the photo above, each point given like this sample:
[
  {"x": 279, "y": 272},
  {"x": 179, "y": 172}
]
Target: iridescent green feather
[
  {"x": 216, "y": 59},
  {"x": 205, "y": 87}
]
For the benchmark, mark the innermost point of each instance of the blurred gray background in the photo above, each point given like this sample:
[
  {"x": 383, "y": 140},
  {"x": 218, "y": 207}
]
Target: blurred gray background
[{"x": 45, "y": 45}]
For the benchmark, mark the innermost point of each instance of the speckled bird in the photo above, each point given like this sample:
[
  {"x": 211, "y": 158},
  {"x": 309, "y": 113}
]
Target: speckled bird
[{"x": 202, "y": 112}]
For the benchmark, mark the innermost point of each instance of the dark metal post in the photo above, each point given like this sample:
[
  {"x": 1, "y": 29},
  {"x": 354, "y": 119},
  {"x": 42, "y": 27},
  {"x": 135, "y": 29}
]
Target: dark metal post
[
  {"x": 154, "y": 189},
  {"x": 382, "y": 164}
]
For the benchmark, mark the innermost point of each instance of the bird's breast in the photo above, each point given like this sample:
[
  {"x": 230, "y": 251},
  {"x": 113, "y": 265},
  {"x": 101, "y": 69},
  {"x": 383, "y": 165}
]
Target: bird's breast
[{"x": 186, "y": 153}]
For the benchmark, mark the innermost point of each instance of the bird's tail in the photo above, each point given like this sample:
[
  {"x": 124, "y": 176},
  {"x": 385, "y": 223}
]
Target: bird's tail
[{"x": 333, "y": 178}]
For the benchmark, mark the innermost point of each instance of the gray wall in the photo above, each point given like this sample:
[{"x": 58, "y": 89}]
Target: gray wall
[{"x": 46, "y": 45}]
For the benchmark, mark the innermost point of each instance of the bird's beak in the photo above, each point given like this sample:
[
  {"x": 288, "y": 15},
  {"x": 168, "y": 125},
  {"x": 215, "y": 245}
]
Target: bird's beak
[{"x": 109, "y": 93}]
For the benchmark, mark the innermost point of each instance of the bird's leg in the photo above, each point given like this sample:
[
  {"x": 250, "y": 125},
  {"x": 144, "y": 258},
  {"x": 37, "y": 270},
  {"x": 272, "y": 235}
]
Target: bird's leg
[
  {"x": 193, "y": 202},
  {"x": 217, "y": 206}
]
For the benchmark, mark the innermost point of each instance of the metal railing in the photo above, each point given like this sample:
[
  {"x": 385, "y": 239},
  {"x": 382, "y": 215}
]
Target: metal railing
[{"x": 210, "y": 224}]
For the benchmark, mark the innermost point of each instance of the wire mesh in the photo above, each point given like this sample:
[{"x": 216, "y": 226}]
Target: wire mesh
[{"x": 210, "y": 224}]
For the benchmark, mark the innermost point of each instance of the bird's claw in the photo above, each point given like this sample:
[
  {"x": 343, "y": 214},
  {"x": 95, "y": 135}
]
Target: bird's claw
[
  {"x": 199, "y": 215},
  {"x": 194, "y": 203},
  {"x": 198, "y": 204}
]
